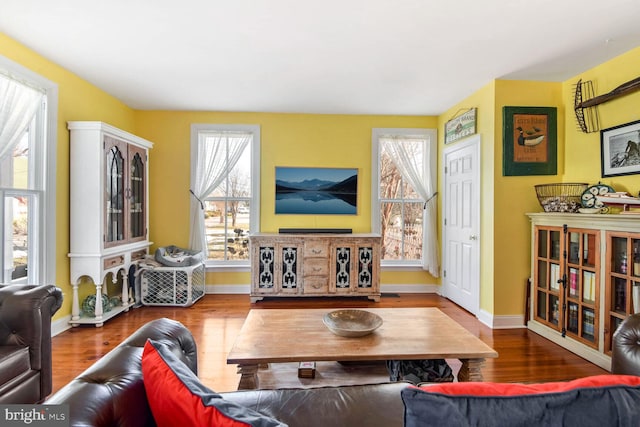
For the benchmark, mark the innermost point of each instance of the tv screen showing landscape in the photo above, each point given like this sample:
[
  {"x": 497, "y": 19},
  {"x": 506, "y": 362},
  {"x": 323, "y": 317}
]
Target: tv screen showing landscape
[{"x": 316, "y": 191}]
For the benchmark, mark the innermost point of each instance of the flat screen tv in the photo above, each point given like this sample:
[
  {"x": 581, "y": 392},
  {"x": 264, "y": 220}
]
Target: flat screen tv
[{"x": 316, "y": 191}]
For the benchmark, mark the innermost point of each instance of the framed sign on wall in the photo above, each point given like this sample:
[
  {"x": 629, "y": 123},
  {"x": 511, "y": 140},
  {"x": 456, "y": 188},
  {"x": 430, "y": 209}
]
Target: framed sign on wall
[
  {"x": 529, "y": 138},
  {"x": 460, "y": 127}
]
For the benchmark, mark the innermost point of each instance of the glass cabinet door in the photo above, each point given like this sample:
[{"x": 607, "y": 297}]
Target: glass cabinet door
[
  {"x": 547, "y": 276},
  {"x": 622, "y": 296},
  {"x": 137, "y": 197},
  {"x": 566, "y": 281},
  {"x": 582, "y": 285},
  {"x": 114, "y": 192},
  {"x": 125, "y": 192}
]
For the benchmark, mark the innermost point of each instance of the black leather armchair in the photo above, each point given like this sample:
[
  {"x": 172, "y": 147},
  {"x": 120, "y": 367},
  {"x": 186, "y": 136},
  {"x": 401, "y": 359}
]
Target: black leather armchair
[
  {"x": 25, "y": 341},
  {"x": 625, "y": 356}
]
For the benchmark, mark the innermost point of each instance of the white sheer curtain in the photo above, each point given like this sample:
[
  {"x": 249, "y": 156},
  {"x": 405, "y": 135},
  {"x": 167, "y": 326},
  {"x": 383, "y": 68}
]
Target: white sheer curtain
[
  {"x": 411, "y": 157},
  {"x": 18, "y": 106},
  {"x": 218, "y": 153}
]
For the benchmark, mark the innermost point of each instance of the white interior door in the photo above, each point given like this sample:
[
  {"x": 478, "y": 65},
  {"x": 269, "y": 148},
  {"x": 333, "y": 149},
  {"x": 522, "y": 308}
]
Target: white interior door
[{"x": 461, "y": 224}]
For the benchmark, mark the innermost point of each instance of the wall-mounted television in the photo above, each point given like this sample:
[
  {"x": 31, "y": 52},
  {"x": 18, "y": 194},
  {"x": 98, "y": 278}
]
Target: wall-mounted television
[{"x": 316, "y": 191}]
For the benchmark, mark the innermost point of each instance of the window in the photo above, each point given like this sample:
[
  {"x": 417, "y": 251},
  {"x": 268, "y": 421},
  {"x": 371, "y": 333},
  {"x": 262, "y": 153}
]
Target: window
[
  {"x": 27, "y": 175},
  {"x": 225, "y": 191},
  {"x": 403, "y": 186}
]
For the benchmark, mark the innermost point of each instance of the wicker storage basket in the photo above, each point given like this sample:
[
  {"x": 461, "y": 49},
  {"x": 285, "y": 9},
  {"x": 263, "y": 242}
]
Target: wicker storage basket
[{"x": 560, "y": 197}]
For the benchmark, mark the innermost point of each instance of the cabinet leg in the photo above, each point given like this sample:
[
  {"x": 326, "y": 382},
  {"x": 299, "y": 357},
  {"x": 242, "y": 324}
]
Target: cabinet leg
[
  {"x": 125, "y": 289},
  {"x": 75, "y": 305},
  {"x": 99, "y": 309}
]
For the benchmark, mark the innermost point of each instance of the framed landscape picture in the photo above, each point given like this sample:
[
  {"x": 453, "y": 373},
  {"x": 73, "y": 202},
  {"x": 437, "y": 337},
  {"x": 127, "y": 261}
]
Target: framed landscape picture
[
  {"x": 529, "y": 138},
  {"x": 620, "y": 149},
  {"x": 316, "y": 191}
]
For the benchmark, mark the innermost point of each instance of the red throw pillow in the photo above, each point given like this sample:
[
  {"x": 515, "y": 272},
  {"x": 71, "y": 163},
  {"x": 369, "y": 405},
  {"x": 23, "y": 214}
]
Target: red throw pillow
[
  {"x": 516, "y": 389},
  {"x": 178, "y": 398}
]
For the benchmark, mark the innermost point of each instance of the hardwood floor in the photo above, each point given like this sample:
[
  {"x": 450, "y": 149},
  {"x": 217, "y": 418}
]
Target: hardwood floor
[{"x": 215, "y": 320}]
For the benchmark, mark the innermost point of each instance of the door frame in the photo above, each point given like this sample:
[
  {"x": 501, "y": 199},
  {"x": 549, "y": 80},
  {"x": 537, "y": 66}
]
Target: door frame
[{"x": 472, "y": 141}]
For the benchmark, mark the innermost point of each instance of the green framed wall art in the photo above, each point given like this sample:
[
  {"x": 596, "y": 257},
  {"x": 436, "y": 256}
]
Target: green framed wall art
[{"x": 529, "y": 140}]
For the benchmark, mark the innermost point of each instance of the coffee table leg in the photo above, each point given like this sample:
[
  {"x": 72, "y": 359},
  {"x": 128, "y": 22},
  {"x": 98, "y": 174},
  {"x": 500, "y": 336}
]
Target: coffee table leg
[
  {"x": 470, "y": 370},
  {"x": 248, "y": 377}
]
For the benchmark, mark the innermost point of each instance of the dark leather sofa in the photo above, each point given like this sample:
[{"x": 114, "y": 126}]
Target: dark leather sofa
[
  {"x": 25, "y": 341},
  {"x": 111, "y": 391},
  {"x": 625, "y": 357}
]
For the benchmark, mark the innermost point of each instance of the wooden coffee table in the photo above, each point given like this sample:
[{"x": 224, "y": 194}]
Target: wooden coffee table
[{"x": 299, "y": 335}]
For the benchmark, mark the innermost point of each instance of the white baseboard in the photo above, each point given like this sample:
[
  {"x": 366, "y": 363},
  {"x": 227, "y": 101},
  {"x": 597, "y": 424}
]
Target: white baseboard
[
  {"x": 60, "y": 325},
  {"x": 228, "y": 289},
  {"x": 410, "y": 289},
  {"x": 501, "y": 322}
]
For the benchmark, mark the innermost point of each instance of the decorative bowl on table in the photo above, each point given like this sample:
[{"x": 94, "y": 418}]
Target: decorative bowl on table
[{"x": 352, "y": 323}]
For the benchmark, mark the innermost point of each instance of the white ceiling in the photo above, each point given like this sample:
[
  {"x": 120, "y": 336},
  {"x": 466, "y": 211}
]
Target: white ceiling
[{"x": 405, "y": 57}]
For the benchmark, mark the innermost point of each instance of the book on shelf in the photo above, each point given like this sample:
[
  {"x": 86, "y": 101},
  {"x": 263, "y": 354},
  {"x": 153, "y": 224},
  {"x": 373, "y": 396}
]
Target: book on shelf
[
  {"x": 588, "y": 323},
  {"x": 588, "y": 286},
  {"x": 573, "y": 282},
  {"x": 554, "y": 276},
  {"x": 573, "y": 318}
]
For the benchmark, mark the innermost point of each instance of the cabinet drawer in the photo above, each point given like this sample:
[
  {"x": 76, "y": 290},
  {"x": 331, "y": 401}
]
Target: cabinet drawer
[
  {"x": 138, "y": 254},
  {"x": 113, "y": 261},
  {"x": 316, "y": 248},
  {"x": 316, "y": 267},
  {"x": 316, "y": 285}
]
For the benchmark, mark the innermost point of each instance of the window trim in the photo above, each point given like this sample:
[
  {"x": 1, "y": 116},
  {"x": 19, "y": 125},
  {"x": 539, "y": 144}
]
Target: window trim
[
  {"x": 46, "y": 174},
  {"x": 430, "y": 161},
  {"x": 254, "y": 219}
]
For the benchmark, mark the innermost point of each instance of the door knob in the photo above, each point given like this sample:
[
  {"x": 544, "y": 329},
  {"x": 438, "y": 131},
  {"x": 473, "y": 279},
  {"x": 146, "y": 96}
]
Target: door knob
[{"x": 473, "y": 237}]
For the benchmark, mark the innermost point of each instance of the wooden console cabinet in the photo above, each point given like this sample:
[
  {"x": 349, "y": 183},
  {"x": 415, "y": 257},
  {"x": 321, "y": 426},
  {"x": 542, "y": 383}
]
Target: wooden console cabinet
[{"x": 315, "y": 265}]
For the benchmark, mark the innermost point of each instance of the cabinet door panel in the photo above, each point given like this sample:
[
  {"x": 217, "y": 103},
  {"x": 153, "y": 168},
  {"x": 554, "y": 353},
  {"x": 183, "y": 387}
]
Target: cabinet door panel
[
  {"x": 115, "y": 161},
  {"x": 266, "y": 277},
  {"x": 137, "y": 194},
  {"x": 289, "y": 276}
]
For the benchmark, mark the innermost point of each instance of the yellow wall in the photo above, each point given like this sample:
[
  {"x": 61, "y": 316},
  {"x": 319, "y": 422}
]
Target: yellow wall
[
  {"x": 506, "y": 200},
  {"x": 504, "y": 228},
  {"x": 286, "y": 140},
  {"x": 77, "y": 100},
  {"x": 582, "y": 149},
  {"x": 515, "y": 196},
  {"x": 483, "y": 100},
  {"x": 344, "y": 141}
]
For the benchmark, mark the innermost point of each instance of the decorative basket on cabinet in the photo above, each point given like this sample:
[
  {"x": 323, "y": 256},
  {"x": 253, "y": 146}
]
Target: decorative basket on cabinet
[{"x": 560, "y": 197}]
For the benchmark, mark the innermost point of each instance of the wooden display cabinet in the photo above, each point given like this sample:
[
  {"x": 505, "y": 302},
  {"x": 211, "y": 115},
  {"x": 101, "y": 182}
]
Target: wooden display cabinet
[{"x": 585, "y": 271}]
